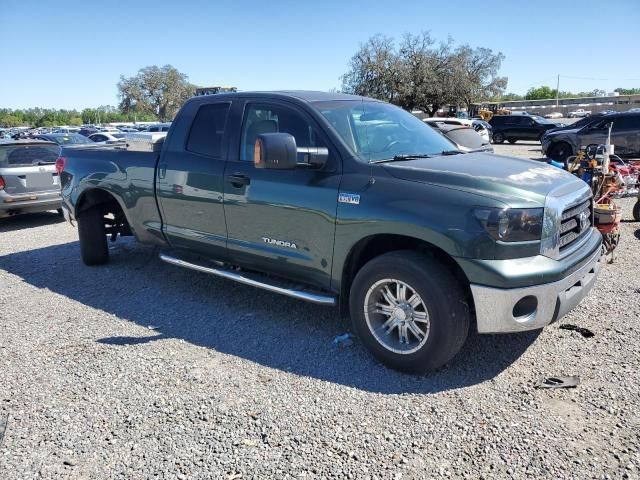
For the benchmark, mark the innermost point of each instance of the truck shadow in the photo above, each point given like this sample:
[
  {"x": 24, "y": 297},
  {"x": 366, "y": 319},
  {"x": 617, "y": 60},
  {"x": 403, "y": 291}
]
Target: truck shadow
[
  {"x": 261, "y": 327},
  {"x": 29, "y": 220}
]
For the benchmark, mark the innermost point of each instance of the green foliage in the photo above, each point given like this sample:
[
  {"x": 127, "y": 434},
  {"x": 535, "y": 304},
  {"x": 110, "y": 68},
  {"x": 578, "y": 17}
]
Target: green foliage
[
  {"x": 159, "y": 91},
  {"x": 422, "y": 74},
  {"x": 628, "y": 91},
  {"x": 42, "y": 117}
]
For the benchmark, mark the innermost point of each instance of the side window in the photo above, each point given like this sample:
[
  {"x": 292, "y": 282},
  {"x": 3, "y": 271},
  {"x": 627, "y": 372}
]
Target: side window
[
  {"x": 260, "y": 119},
  {"x": 627, "y": 122},
  {"x": 207, "y": 130}
]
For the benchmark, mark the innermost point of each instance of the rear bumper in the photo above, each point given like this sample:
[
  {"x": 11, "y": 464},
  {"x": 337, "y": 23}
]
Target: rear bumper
[
  {"x": 29, "y": 203},
  {"x": 495, "y": 306}
]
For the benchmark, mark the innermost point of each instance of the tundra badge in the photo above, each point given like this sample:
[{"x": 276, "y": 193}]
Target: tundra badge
[{"x": 279, "y": 243}]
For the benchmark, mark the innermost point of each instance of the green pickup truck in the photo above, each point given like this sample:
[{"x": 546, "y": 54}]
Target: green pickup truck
[{"x": 347, "y": 201}]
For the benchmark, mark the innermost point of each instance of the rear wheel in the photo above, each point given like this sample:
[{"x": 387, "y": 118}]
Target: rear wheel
[
  {"x": 636, "y": 211},
  {"x": 409, "y": 311},
  {"x": 559, "y": 152},
  {"x": 93, "y": 237},
  {"x": 498, "y": 137}
]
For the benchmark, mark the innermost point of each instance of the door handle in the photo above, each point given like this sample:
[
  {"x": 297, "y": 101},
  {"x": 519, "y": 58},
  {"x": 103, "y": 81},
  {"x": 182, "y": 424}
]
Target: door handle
[
  {"x": 162, "y": 170},
  {"x": 238, "y": 180}
]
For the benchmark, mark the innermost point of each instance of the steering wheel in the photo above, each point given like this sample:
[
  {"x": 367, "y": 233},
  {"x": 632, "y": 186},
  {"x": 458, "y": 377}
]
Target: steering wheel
[{"x": 388, "y": 146}]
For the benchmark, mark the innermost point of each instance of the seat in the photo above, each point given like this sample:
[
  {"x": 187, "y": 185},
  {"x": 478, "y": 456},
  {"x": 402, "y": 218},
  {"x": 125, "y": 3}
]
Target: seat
[{"x": 253, "y": 130}]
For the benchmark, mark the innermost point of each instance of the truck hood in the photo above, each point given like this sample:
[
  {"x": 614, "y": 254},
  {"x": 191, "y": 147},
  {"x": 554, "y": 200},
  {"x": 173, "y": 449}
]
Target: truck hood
[{"x": 516, "y": 182}]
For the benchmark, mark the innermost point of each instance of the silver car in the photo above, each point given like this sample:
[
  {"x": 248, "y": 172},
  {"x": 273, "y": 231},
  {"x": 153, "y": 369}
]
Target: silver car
[{"x": 28, "y": 178}]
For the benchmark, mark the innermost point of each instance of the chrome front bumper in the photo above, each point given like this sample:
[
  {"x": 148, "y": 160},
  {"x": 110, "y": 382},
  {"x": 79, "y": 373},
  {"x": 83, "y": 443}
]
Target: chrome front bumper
[{"x": 495, "y": 306}]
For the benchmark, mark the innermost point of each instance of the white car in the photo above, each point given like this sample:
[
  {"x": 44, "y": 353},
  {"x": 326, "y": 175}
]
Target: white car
[
  {"x": 579, "y": 113},
  {"x": 107, "y": 137},
  {"x": 553, "y": 115},
  {"x": 482, "y": 131}
]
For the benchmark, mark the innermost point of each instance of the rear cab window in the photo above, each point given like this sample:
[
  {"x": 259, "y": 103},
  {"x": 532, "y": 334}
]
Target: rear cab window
[{"x": 207, "y": 130}]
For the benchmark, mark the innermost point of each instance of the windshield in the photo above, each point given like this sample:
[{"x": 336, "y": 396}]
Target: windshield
[{"x": 380, "y": 131}]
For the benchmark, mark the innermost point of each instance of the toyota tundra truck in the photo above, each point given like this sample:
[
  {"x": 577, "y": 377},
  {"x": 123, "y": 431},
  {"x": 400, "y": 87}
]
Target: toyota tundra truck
[{"x": 351, "y": 202}]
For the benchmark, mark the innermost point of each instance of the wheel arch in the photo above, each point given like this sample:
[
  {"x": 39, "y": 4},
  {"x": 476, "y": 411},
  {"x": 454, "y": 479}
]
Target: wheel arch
[
  {"x": 98, "y": 197},
  {"x": 375, "y": 245}
]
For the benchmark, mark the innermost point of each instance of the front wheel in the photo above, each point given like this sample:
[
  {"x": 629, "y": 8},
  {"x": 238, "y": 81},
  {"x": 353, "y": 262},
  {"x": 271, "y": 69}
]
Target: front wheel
[
  {"x": 409, "y": 311},
  {"x": 498, "y": 138},
  {"x": 93, "y": 237}
]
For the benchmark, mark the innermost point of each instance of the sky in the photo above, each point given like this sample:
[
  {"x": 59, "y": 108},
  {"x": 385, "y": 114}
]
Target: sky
[{"x": 70, "y": 54}]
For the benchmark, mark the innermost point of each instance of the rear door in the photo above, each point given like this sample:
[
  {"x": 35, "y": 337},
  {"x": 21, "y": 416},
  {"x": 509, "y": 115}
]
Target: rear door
[
  {"x": 625, "y": 135},
  {"x": 189, "y": 179},
  {"x": 281, "y": 221},
  {"x": 29, "y": 168}
]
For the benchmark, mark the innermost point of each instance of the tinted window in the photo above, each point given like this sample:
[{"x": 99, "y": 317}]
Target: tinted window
[
  {"x": 627, "y": 122},
  {"x": 14, "y": 155},
  {"x": 207, "y": 129},
  {"x": 272, "y": 119}
]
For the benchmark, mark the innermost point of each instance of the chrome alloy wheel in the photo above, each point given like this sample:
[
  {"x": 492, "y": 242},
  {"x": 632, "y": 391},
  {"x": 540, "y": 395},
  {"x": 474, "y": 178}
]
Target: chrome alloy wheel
[{"x": 396, "y": 316}]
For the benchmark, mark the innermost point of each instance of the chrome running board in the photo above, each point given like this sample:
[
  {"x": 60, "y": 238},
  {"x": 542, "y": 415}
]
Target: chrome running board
[{"x": 328, "y": 300}]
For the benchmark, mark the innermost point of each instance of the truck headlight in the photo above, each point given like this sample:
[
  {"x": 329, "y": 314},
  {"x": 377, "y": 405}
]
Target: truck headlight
[{"x": 511, "y": 224}]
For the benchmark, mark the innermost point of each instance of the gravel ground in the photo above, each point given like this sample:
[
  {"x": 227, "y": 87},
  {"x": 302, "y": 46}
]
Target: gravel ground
[{"x": 142, "y": 370}]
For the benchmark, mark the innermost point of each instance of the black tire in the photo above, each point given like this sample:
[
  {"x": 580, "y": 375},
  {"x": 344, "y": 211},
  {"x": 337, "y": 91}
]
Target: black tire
[
  {"x": 60, "y": 212},
  {"x": 512, "y": 140},
  {"x": 636, "y": 211},
  {"x": 498, "y": 137},
  {"x": 93, "y": 238},
  {"x": 441, "y": 295},
  {"x": 559, "y": 152}
]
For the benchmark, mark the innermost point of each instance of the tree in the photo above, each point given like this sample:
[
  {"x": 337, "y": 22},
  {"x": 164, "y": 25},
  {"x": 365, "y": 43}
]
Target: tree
[
  {"x": 540, "y": 93},
  {"x": 374, "y": 70},
  {"x": 628, "y": 91},
  {"x": 160, "y": 91},
  {"x": 421, "y": 74},
  {"x": 477, "y": 74}
]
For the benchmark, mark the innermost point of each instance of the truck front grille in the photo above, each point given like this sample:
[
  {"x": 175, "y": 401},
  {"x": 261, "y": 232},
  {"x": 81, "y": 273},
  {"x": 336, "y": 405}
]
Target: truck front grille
[{"x": 576, "y": 221}]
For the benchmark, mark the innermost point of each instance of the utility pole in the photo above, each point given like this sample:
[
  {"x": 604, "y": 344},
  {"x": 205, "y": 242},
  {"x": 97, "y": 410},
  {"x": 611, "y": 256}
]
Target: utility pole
[{"x": 557, "y": 90}]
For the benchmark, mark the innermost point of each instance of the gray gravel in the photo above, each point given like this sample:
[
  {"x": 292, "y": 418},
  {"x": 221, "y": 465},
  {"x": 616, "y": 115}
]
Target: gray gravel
[{"x": 142, "y": 370}]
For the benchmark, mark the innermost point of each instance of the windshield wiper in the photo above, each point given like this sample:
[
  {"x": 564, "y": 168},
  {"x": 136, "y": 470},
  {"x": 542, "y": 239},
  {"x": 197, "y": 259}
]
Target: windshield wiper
[
  {"x": 46, "y": 163},
  {"x": 399, "y": 158},
  {"x": 452, "y": 152}
]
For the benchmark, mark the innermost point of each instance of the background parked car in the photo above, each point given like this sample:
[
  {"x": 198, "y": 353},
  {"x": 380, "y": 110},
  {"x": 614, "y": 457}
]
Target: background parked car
[
  {"x": 65, "y": 138},
  {"x": 625, "y": 135},
  {"x": 519, "y": 127},
  {"x": 107, "y": 137},
  {"x": 160, "y": 127},
  {"x": 28, "y": 178},
  {"x": 482, "y": 130},
  {"x": 553, "y": 115},
  {"x": 464, "y": 136}
]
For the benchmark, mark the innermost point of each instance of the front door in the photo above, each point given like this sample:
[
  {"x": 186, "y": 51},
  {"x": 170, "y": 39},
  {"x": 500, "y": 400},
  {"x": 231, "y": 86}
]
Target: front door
[
  {"x": 281, "y": 221},
  {"x": 190, "y": 181}
]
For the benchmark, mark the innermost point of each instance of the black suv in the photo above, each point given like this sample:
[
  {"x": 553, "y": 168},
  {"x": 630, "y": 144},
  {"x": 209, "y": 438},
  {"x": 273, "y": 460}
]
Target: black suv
[{"x": 519, "y": 127}]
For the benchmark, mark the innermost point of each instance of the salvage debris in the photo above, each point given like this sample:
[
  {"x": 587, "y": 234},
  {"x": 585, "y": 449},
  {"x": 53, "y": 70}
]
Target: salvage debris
[
  {"x": 585, "y": 332},
  {"x": 570, "y": 381},
  {"x": 343, "y": 340}
]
